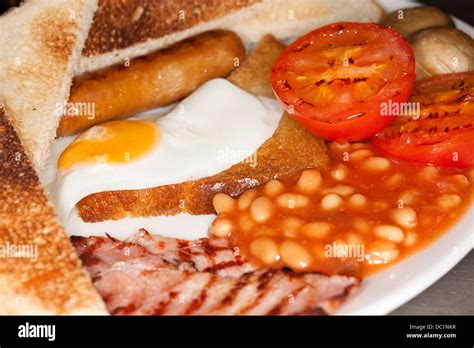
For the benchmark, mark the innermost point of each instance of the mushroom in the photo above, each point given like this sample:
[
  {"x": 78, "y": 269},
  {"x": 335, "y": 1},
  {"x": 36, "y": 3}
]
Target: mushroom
[
  {"x": 410, "y": 20},
  {"x": 441, "y": 51}
]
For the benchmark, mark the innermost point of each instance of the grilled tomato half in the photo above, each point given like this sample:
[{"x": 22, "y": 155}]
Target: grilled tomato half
[
  {"x": 441, "y": 132},
  {"x": 336, "y": 79}
]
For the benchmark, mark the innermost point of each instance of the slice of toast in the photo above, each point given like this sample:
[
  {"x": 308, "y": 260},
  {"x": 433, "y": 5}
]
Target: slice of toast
[
  {"x": 40, "y": 42},
  {"x": 289, "y": 151},
  {"x": 131, "y": 28},
  {"x": 39, "y": 270}
]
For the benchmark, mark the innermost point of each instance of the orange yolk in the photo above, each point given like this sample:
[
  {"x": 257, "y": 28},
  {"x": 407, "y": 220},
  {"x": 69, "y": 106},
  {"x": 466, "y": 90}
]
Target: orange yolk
[{"x": 110, "y": 142}]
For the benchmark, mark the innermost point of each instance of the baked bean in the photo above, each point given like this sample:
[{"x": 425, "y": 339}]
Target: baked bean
[
  {"x": 221, "y": 227},
  {"x": 265, "y": 249},
  {"x": 292, "y": 200},
  {"x": 310, "y": 181},
  {"x": 341, "y": 190},
  {"x": 359, "y": 155},
  {"x": 295, "y": 255},
  {"x": 331, "y": 201},
  {"x": 429, "y": 172},
  {"x": 460, "y": 180},
  {"x": 470, "y": 174},
  {"x": 290, "y": 223},
  {"x": 317, "y": 229},
  {"x": 389, "y": 232},
  {"x": 353, "y": 238},
  {"x": 340, "y": 147},
  {"x": 410, "y": 239},
  {"x": 381, "y": 252},
  {"x": 223, "y": 203},
  {"x": 261, "y": 209},
  {"x": 357, "y": 201},
  {"x": 290, "y": 226},
  {"x": 395, "y": 180},
  {"x": 376, "y": 164},
  {"x": 409, "y": 197},
  {"x": 273, "y": 188},
  {"x": 246, "y": 223},
  {"x": 404, "y": 217},
  {"x": 449, "y": 201},
  {"x": 246, "y": 199},
  {"x": 340, "y": 172},
  {"x": 357, "y": 146}
]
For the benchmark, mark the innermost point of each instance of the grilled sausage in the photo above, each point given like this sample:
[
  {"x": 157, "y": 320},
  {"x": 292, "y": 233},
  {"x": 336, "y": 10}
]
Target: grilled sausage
[{"x": 158, "y": 79}]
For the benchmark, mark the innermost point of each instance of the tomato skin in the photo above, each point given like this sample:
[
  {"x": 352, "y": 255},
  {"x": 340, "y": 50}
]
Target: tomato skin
[
  {"x": 440, "y": 154},
  {"x": 443, "y": 133},
  {"x": 358, "y": 118},
  {"x": 347, "y": 131}
]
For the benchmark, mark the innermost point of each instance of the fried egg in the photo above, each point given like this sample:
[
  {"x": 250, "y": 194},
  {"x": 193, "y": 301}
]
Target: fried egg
[{"x": 214, "y": 128}]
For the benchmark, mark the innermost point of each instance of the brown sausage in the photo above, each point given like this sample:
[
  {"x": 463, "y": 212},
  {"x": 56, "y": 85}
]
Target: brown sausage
[{"x": 158, "y": 79}]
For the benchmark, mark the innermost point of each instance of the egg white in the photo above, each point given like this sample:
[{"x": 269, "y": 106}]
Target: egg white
[{"x": 214, "y": 128}]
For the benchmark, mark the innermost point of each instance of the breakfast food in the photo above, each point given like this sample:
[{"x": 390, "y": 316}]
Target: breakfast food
[
  {"x": 286, "y": 153},
  {"x": 229, "y": 202},
  {"x": 39, "y": 271},
  {"x": 41, "y": 44},
  {"x": 334, "y": 79},
  {"x": 127, "y": 29},
  {"x": 441, "y": 132},
  {"x": 165, "y": 151},
  {"x": 201, "y": 277},
  {"x": 410, "y": 20},
  {"x": 161, "y": 78},
  {"x": 356, "y": 216},
  {"x": 442, "y": 51}
]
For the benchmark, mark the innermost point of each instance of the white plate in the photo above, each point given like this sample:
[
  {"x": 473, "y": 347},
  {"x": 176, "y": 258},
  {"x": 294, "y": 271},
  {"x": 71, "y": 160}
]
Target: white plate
[
  {"x": 387, "y": 290},
  {"x": 379, "y": 294}
]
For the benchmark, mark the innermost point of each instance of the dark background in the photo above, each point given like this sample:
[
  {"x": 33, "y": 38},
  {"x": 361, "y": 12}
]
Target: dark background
[{"x": 463, "y": 9}]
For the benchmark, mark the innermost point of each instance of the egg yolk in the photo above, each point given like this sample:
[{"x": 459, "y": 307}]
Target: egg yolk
[{"x": 110, "y": 142}]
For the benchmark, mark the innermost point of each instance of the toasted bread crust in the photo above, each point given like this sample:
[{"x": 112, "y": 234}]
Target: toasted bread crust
[
  {"x": 41, "y": 43},
  {"x": 54, "y": 282},
  {"x": 136, "y": 21},
  {"x": 289, "y": 151}
]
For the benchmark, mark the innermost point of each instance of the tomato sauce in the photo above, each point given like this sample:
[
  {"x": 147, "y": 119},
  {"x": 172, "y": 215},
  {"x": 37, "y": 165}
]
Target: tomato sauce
[{"x": 359, "y": 215}]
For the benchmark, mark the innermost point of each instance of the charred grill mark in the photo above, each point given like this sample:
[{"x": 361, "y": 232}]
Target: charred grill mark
[
  {"x": 302, "y": 47},
  {"x": 316, "y": 311},
  {"x": 320, "y": 82},
  {"x": 233, "y": 293},
  {"x": 160, "y": 309},
  {"x": 125, "y": 310},
  {"x": 284, "y": 85},
  {"x": 362, "y": 43},
  {"x": 183, "y": 251},
  {"x": 302, "y": 102},
  {"x": 263, "y": 280},
  {"x": 197, "y": 302},
  {"x": 223, "y": 265},
  {"x": 348, "y": 80},
  {"x": 463, "y": 98},
  {"x": 284, "y": 303}
]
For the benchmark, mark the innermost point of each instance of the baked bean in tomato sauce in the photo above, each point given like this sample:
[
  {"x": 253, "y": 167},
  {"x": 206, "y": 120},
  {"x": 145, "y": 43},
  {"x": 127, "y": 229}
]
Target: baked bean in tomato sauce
[{"x": 357, "y": 216}]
